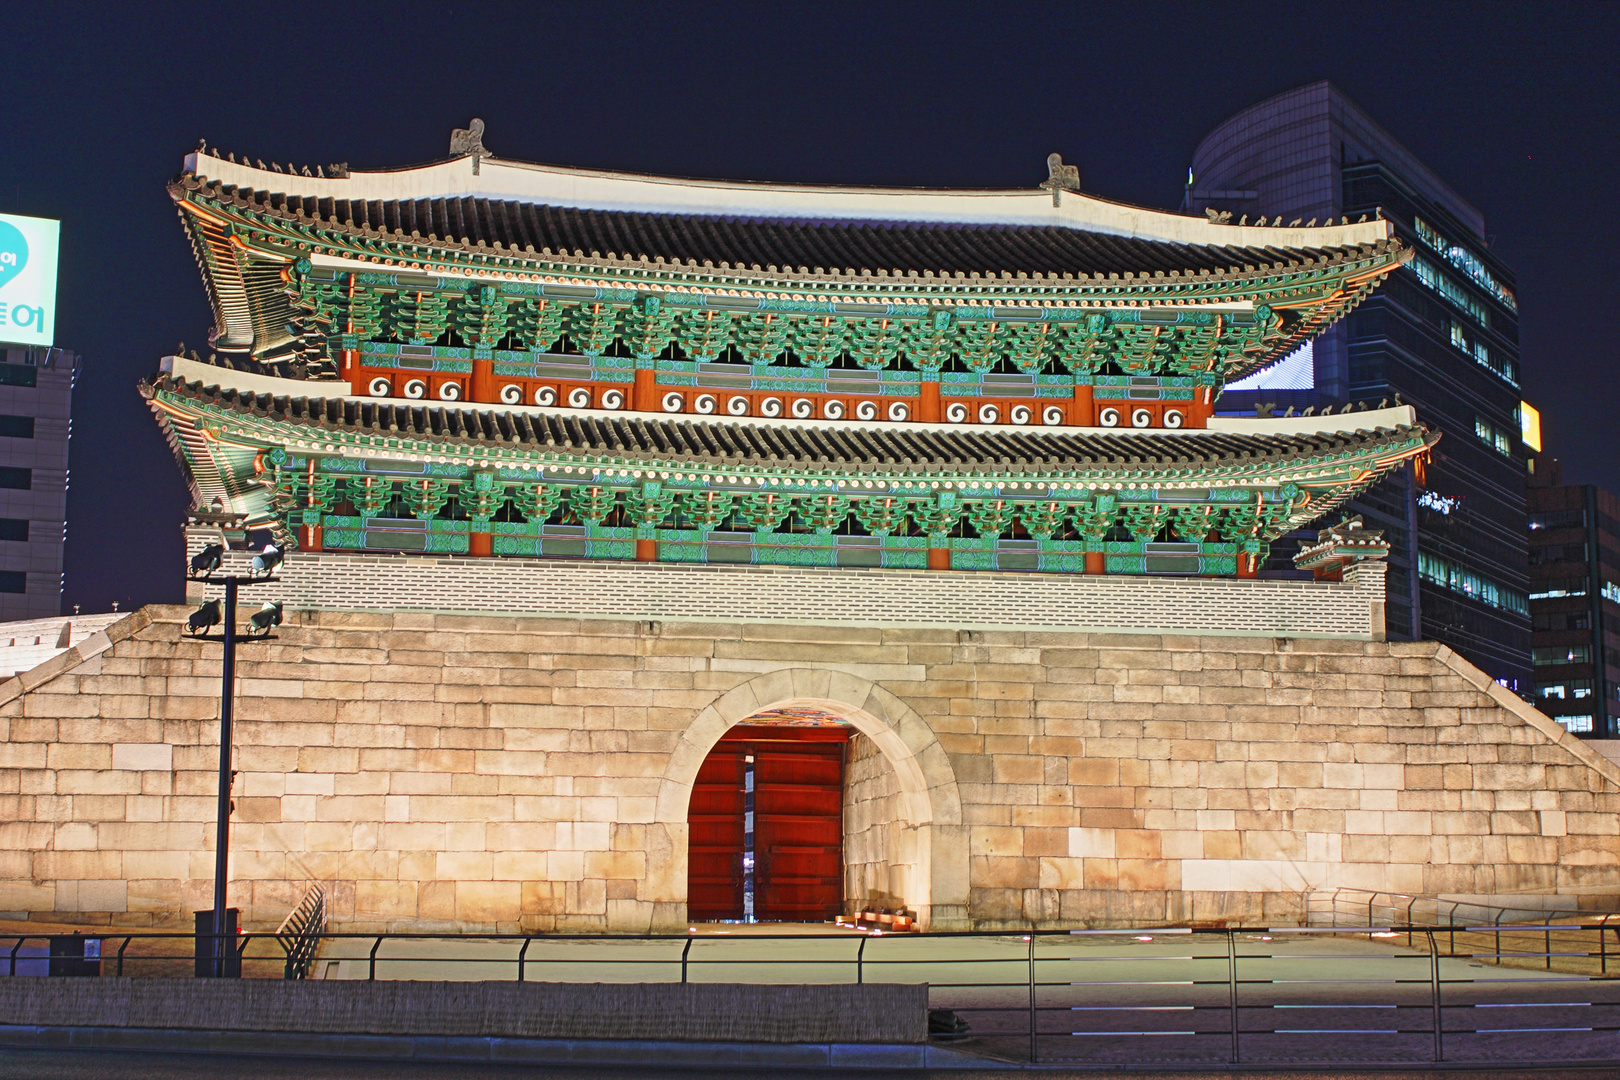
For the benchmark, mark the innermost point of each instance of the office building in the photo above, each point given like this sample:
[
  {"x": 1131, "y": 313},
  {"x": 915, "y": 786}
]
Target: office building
[
  {"x": 1575, "y": 601},
  {"x": 36, "y": 400},
  {"x": 1441, "y": 335}
]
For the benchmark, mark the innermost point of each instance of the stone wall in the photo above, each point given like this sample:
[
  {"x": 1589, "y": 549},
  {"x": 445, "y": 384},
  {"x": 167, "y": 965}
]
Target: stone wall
[
  {"x": 497, "y": 772},
  {"x": 876, "y": 869}
]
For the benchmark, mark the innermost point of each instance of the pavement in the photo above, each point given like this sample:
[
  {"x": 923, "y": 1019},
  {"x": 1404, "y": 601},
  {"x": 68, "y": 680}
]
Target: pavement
[
  {"x": 125, "y": 1065},
  {"x": 1143, "y": 998}
]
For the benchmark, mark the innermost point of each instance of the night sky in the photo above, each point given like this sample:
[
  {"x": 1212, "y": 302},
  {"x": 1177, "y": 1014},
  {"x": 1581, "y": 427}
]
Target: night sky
[{"x": 1514, "y": 107}]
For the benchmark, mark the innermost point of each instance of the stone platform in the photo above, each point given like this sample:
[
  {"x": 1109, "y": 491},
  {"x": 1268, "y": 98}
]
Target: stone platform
[{"x": 482, "y": 772}]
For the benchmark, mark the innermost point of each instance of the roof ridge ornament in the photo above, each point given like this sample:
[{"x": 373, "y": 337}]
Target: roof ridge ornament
[
  {"x": 469, "y": 141},
  {"x": 1060, "y": 177}
]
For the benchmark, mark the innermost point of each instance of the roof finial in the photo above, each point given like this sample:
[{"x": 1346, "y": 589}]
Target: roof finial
[
  {"x": 1060, "y": 177},
  {"x": 468, "y": 140}
]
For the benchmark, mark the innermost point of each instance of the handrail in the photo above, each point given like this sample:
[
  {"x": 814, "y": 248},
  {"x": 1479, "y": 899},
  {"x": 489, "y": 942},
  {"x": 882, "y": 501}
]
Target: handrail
[
  {"x": 1422, "y": 910},
  {"x": 300, "y": 932},
  {"x": 1047, "y": 994}
]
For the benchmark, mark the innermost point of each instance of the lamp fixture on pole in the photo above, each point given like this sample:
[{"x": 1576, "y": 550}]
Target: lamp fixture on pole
[{"x": 222, "y": 613}]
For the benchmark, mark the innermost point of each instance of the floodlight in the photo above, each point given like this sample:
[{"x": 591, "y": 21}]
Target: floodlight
[
  {"x": 265, "y": 562},
  {"x": 207, "y": 560},
  {"x": 266, "y": 617},
  {"x": 206, "y": 616}
]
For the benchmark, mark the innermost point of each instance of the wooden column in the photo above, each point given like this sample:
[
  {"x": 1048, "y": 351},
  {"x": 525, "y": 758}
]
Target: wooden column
[
  {"x": 1201, "y": 408},
  {"x": 1248, "y": 564},
  {"x": 646, "y": 550},
  {"x": 644, "y": 395},
  {"x": 939, "y": 558},
  {"x": 928, "y": 400},
  {"x": 1096, "y": 563},
  {"x": 480, "y": 543},
  {"x": 311, "y": 538},
  {"x": 1084, "y": 412},
  {"x": 482, "y": 387}
]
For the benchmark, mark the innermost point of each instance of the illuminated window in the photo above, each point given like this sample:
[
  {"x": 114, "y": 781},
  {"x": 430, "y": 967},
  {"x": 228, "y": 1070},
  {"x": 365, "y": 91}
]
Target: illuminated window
[
  {"x": 1611, "y": 592},
  {"x": 1430, "y": 275},
  {"x": 1572, "y": 690},
  {"x": 1561, "y": 654},
  {"x": 1553, "y": 590},
  {"x": 1448, "y": 574},
  {"x": 1467, "y": 262},
  {"x": 1482, "y": 355},
  {"x": 1493, "y": 436},
  {"x": 1579, "y": 725}
]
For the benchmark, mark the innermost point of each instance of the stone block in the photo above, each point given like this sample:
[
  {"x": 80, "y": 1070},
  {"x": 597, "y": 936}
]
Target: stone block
[
  {"x": 488, "y": 903},
  {"x": 142, "y": 757},
  {"x": 1091, "y": 843}
]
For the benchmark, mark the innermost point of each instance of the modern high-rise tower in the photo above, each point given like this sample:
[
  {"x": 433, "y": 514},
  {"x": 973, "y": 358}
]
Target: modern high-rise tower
[{"x": 1442, "y": 335}]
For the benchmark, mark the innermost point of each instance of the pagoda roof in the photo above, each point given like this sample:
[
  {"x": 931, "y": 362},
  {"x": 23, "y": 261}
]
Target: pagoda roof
[
  {"x": 494, "y": 180},
  {"x": 841, "y": 446},
  {"x": 1047, "y": 255},
  {"x": 233, "y": 431},
  {"x": 477, "y": 197},
  {"x": 839, "y": 248}
]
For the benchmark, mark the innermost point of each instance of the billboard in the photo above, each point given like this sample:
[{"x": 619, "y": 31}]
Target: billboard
[
  {"x": 1529, "y": 426},
  {"x": 28, "y": 248}
]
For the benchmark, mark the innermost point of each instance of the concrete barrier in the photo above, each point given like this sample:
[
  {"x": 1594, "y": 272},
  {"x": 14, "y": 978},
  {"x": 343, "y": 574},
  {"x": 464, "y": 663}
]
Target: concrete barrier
[{"x": 717, "y": 1012}]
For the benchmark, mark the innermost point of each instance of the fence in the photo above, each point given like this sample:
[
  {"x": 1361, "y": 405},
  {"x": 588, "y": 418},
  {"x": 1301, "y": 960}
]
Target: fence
[
  {"x": 299, "y": 934},
  {"x": 1385, "y": 993},
  {"x": 1553, "y": 939}
]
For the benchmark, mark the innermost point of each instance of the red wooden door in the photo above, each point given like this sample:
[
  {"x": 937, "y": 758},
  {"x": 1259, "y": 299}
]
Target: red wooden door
[
  {"x": 799, "y": 828},
  {"x": 714, "y": 820}
]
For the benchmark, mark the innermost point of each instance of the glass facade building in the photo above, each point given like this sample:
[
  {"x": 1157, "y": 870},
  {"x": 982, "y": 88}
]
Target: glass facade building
[
  {"x": 1575, "y": 601},
  {"x": 1441, "y": 335}
]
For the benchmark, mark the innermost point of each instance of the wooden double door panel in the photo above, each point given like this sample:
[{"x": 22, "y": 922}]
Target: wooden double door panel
[
  {"x": 714, "y": 837},
  {"x": 798, "y": 825}
]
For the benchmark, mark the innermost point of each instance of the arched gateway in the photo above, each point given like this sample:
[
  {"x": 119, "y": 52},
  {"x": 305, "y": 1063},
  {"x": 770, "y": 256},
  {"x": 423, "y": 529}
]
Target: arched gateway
[
  {"x": 927, "y": 843},
  {"x": 977, "y": 460}
]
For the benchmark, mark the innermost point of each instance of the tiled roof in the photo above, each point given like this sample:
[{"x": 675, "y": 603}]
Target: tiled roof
[
  {"x": 848, "y": 444},
  {"x": 837, "y": 246}
]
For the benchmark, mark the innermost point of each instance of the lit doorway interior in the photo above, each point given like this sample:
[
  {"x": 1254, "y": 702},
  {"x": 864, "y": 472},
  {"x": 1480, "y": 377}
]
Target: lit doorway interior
[{"x": 765, "y": 821}]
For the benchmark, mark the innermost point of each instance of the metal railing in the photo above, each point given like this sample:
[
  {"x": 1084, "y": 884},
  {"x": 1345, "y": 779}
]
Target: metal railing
[
  {"x": 1368, "y": 993},
  {"x": 1553, "y": 938},
  {"x": 300, "y": 933}
]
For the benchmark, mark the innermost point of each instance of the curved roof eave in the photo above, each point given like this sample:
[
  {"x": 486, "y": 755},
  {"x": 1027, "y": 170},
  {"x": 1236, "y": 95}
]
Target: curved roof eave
[
  {"x": 1237, "y": 441},
  {"x": 585, "y": 189}
]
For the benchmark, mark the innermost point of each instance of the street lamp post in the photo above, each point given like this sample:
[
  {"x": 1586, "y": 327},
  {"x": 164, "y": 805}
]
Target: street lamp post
[{"x": 203, "y": 619}]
